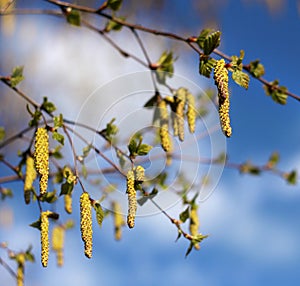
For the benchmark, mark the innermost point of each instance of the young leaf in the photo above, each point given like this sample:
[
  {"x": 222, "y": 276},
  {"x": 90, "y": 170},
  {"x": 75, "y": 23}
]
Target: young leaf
[
  {"x": 58, "y": 121},
  {"x": 114, "y": 4},
  {"x": 291, "y": 177},
  {"x": 185, "y": 214},
  {"x": 66, "y": 188},
  {"x": 165, "y": 67},
  {"x": 16, "y": 76},
  {"x": 73, "y": 17},
  {"x": 58, "y": 137},
  {"x": 277, "y": 93},
  {"x": 241, "y": 78},
  {"x": 211, "y": 42},
  {"x": 2, "y": 133},
  {"x": 256, "y": 69},
  {"x": 132, "y": 146},
  {"x": 273, "y": 160},
  {"x": 206, "y": 65},
  {"x": 36, "y": 224},
  {"x": 48, "y": 106},
  {"x": 200, "y": 40},
  {"x": 144, "y": 149},
  {"x": 111, "y": 25},
  {"x": 5, "y": 193},
  {"x": 99, "y": 212}
]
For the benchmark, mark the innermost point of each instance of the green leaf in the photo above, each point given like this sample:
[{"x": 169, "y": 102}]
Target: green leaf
[
  {"x": 114, "y": 4},
  {"x": 16, "y": 76},
  {"x": 291, "y": 177},
  {"x": 165, "y": 67},
  {"x": 58, "y": 121},
  {"x": 36, "y": 224},
  {"x": 206, "y": 65},
  {"x": 29, "y": 255},
  {"x": 208, "y": 40},
  {"x": 69, "y": 224},
  {"x": 241, "y": 78},
  {"x": 144, "y": 149},
  {"x": 273, "y": 160},
  {"x": 141, "y": 201},
  {"x": 99, "y": 212},
  {"x": 49, "y": 197},
  {"x": 84, "y": 171},
  {"x": 185, "y": 214},
  {"x": 73, "y": 17},
  {"x": 5, "y": 193},
  {"x": 48, "y": 106},
  {"x": 58, "y": 137},
  {"x": 121, "y": 158},
  {"x": 200, "y": 40},
  {"x": 2, "y": 133},
  {"x": 110, "y": 131},
  {"x": 249, "y": 168},
  {"x": 152, "y": 101},
  {"x": 132, "y": 146},
  {"x": 86, "y": 150},
  {"x": 111, "y": 25},
  {"x": 211, "y": 42},
  {"x": 66, "y": 188},
  {"x": 56, "y": 152},
  {"x": 189, "y": 249},
  {"x": 277, "y": 93},
  {"x": 256, "y": 69}
]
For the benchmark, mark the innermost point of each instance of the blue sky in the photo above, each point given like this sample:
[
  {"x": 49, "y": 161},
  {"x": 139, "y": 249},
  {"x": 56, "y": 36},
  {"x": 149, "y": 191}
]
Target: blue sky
[{"x": 253, "y": 222}]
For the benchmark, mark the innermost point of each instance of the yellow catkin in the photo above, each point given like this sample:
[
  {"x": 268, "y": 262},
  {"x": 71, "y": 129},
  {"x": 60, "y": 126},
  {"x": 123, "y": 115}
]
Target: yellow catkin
[
  {"x": 132, "y": 202},
  {"x": 164, "y": 126},
  {"x": 30, "y": 176},
  {"x": 191, "y": 112},
  {"x": 45, "y": 237},
  {"x": 20, "y": 274},
  {"x": 180, "y": 105},
  {"x": 58, "y": 237},
  {"x": 194, "y": 223},
  {"x": 68, "y": 203},
  {"x": 41, "y": 157},
  {"x": 118, "y": 220},
  {"x": 86, "y": 224},
  {"x": 221, "y": 81},
  {"x": 139, "y": 174}
]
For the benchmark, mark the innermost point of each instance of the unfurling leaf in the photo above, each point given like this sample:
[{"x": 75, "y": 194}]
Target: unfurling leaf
[
  {"x": 143, "y": 149},
  {"x": 256, "y": 69},
  {"x": 111, "y": 25},
  {"x": 16, "y": 76},
  {"x": 273, "y": 160},
  {"x": 291, "y": 177},
  {"x": 114, "y": 4},
  {"x": 48, "y": 106},
  {"x": 58, "y": 137},
  {"x": 241, "y": 78},
  {"x": 185, "y": 214},
  {"x": 73, "y": 17},
  {"x": 277, "y": 93},
  {"x": 99, "y": 212}
]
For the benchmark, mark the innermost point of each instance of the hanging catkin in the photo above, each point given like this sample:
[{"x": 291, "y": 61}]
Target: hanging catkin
[
  {"x": 132, "y": 203},
  {"x": 41, "y": 156},
  {"x": 221, "y": 81},
  {"x": 86, "y": 224},
  {"x": 164, "y": 126},
  {"x": 45, "y": 237},
  {"x": 30, "y": 176}
]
